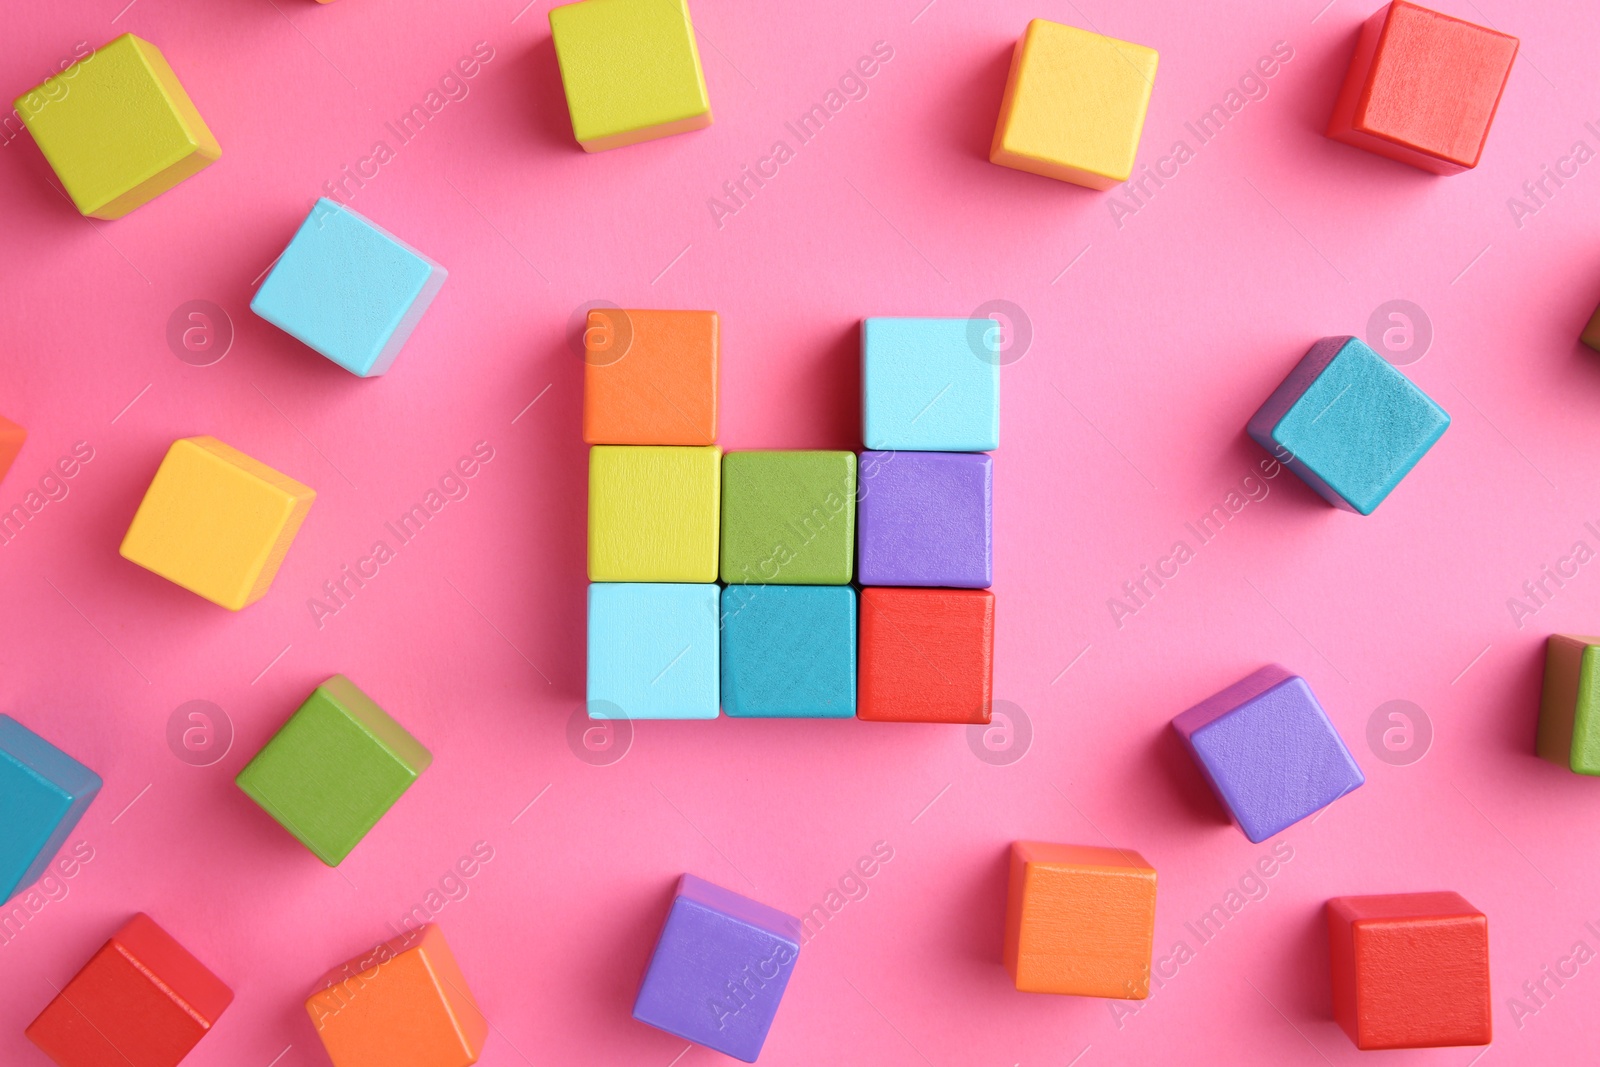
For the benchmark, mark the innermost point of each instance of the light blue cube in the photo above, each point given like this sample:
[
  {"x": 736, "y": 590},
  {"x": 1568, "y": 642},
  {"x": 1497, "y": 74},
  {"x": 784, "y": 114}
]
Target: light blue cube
[
  {"x": 653, "y": 650},
  {"x": 1349, "y": 424},
  {"x": 930, "y": 385},
  {"x": 349, "y": 289},
  {"x": 789, "y": 651},
  {"x": 43, "y": 794}
]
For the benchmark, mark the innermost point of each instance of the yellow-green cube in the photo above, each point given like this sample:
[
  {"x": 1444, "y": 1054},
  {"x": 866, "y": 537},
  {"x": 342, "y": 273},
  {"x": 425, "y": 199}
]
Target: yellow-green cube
[{"x": 653, "y": 513}]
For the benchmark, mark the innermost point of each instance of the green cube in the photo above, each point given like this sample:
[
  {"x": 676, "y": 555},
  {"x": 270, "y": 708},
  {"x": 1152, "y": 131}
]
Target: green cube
[
  {"x": 335, "y": 768},
  {"x": 1569, "y": 711},
  {"x": 788, "y": 518}
]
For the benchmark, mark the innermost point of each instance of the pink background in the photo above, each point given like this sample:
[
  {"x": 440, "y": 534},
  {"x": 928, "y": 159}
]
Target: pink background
[{"x": 1122, "y": 422}]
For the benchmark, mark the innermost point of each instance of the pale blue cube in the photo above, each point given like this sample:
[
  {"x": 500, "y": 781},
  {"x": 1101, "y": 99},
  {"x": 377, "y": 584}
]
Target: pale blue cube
[
  {"x": 349, "y": 289},
  {"x": 653, "y": 650},
  {"x": 930, "y": 385},
  {"x": 43, "y": 794}
]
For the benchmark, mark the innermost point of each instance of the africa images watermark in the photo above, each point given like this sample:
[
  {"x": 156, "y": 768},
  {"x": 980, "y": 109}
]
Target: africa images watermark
[{"x": 1540, "y": 590}]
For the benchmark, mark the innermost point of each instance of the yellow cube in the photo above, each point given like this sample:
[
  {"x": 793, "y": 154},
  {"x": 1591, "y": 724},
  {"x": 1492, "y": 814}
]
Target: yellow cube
[
  {"x": 654, "y": 513},
  {"x": 1074, "y": 105},
  {"x": 217, "y": 522},
  {"x": 118, "y": 128},
  {"x": 631, "y": 71}
]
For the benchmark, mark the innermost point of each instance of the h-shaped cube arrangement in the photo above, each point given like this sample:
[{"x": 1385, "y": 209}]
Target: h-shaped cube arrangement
[
  {"x": 1569, "y": 706},
  {"x": 43, "y": 794}
]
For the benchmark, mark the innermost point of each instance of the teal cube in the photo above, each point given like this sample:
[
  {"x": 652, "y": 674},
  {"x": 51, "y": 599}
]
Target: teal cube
[
  {"x": 652, "y": 650},
  {"x": 789, "y": 651},
  {"x": 930, "y": 385},
  {"x": 43, "y": 794},
  {"x": 1349, "y": 424}
]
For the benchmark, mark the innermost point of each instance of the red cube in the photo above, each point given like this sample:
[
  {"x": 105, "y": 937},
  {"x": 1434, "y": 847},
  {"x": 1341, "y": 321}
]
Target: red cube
[
  {"x": 141, "y": 1000},
  {"x": 1410, "y": 970},
  {"x": 1423, "y": 88},
  {"x": 927, "y": 655}
]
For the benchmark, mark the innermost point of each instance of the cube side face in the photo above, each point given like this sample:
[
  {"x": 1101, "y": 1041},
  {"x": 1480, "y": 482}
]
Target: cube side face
[
  {"x": 44, "y": 793},
  {"x": 930, "y": 385},
  {"x": 1085, "y": 929},
  {"x": 1590, "y": 337},
  {"x": 12, "y": 437},
  {"x": 650, "y": 377},
  {"x": 159, "y": 953},
  {"x": 1226, "y": 700},
  {"x": 1422, "y": 982},
  {"x": 380, "y": 724},
  {"x": 653, "y": 652},
  {"x": 789, "y": 652},
  {"x": 927, "y": 655},
  {"x": 788, "y": 517},
  {"x": 927, "y": 520},
  {"x": 1559, "y": 698},
  {"x": 738, "y": 906},
  {"x": 653, "y": 513}
]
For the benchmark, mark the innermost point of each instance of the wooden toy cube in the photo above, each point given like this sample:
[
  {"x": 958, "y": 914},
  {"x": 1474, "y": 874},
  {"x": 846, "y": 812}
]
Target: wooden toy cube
[
  {"x": 930, "y": 385},
  {"x": 1080, "y": 920},
  {"x": 334, "y": 769},
  {"x": 630, "y": 69},
  {"x": 405, "y": 1002},
  {"x": 141, "y": 1000},
  {"x": 1074, "y": 105},
  {"x": 1349, "y": 424},
  {"x": 1591, "y": 332},
  {"x": 217, "y": 522},
  {"x": 927, "y": 655},
  {"x": 788, "y": 517},
  {"x": 349, "y": 289},
  {"x": 118, "y": 128},
  {"x": 926, "y": 519},
  {"x": 43, "y": 794},
  {"x": 653, "y": 513},
  {"x": 719, "y": 969},
  {"x": 789, "y": 651},
  {"x": 650, "y": 377},
  {"x": 1270, "y": 752},
  {"x": 1410, "y": 970},
  {"x": 1569, "y": 709},
  {"x": 1423, "y": 88},
  {"x": 653, "y": 651},
  {"x": 11, "y": 438}
]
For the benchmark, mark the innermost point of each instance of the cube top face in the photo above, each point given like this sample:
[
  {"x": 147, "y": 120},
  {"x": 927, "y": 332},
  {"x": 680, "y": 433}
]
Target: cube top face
[
  {"x": 1349, "y": 424},
  {"x": 1269, "y": 751},
  {"x": 1569, "y": 708},
  {"x": 927, "y": 519},
  {"x": 337, "y": 766},
  {"x": 930, "y": 385},
  {"x": 44, "y": 792},
  {"x": 653, "y": 651},
  {"x": 118, "y": 128},
  {"x": 789, "y": 651},
  {"x": 653, "y": 513},
  {"x": 1080, "y": 920},
  {"x": 650, "y": 377},
  {"x": 630, "y": 69},
  {"x": 216, "y": 522},
  {"x": 788, "y": 517},
  {"x": 927, "y": 655},
  {"x": 349, "y": 289},
  {"x": 1074, "y": 105}
]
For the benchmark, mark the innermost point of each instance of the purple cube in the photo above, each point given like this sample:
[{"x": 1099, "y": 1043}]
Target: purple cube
[
  {"x": 719, "y": 969},
  {"x": 924, "y": 518},
  {"x": 1269, "y": 751}
]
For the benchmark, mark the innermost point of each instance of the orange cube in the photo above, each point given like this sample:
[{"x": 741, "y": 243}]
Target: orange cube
[
  {"x": 1080, "y": 920},
  {"x": 650, "y": 377},
  {"x": 405, "y": 1002},
  {"x": 11, "y": 438}
]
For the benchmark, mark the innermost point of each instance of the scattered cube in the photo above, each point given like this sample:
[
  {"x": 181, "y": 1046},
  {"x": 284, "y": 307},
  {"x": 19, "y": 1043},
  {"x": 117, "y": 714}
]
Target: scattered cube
[
  {"x": 118, "y": 128},
  {"x": 719, "y": 969},
  {"x": 11, "y": 438},
  {"x": 650, "y": 377},
  {"x": 630, "y": 69},
  {"x": 349, "y": 289},
  {"x": 43, "y": 794},
  {"x": 653, "y": 651},
  {"x": 1269, "y": 751},
  {"x": 788, "y": 517},
  {"x": 1349, "y": 424},
  {"x": 653, "y": 512},
  {"x": 1080, "y": 920},
  {"x": 404, "y": 1002},
  {"x": 1569, "y": 709},
  {"x": 217, "y": 522},
  {"x": 142, "y": 999},
  {"x": 930, "y": 385},
  {"x": 1410, "y": 970},
  {"x": 1074, "y": 105},
  {"x": 927, "y": 655},
  {"x": 926, "y": 519},
  {"x": 1423, "y": 88},
  {"x": 337, "y": 766},
  {"x": 789, "y": 651}
]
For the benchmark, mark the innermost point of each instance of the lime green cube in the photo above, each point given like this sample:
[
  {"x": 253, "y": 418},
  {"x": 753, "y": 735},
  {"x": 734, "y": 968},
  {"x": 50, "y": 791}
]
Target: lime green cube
[
  {"x": 788, "y": 518},
  {"x": 335, "y": 768},
  {"x": 1569, "y": 711}
]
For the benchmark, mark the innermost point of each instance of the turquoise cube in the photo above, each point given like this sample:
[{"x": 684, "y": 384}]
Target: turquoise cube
[
  {"x": 43, "y": 794},
  {"x": 1349, "y": 424},
  {"x": 789, "y": 651},
  {"x": 652, "y": 650},
  {"x": 349, "y": 289},
  {"x": 930, "y": 385}
]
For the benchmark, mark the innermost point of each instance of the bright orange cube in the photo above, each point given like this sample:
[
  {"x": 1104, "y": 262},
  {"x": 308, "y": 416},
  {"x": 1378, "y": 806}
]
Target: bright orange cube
[
  {"x": 650, "y": 377},
  {"x": 11, "y": 438}
]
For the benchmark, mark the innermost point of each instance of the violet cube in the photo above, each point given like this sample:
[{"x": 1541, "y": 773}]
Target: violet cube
[
  {"x": 924, "y": 519},
  {"x": 1270, "y": 752},
  {"x": 719, "y": 969}
]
